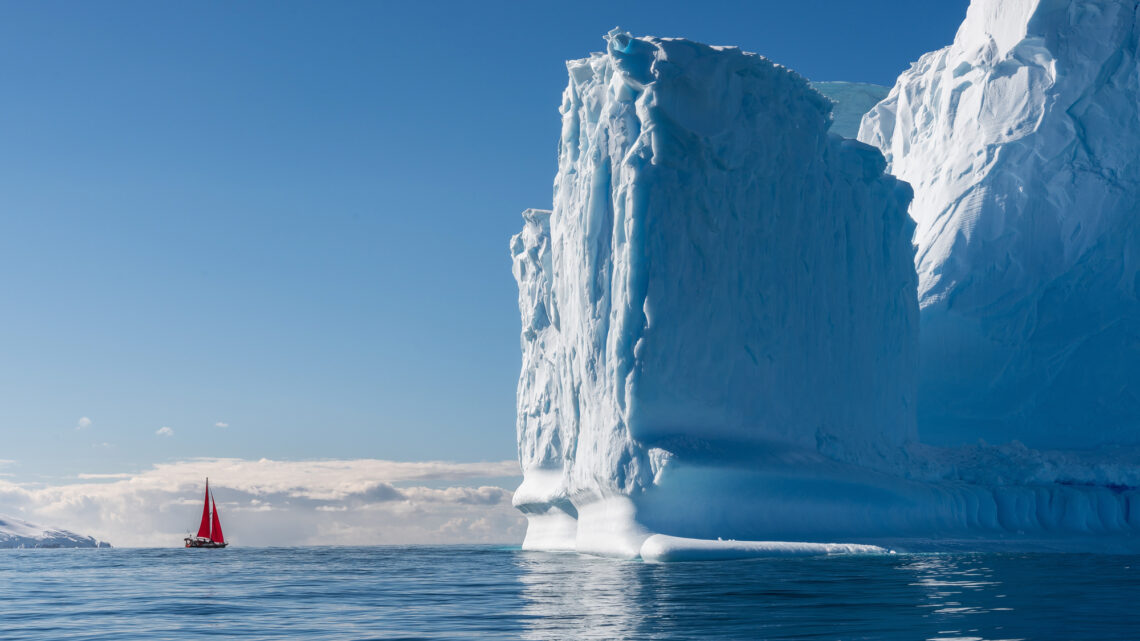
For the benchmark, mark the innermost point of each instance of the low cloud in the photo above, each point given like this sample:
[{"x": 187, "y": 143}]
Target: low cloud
[
  {"x": 221, "y": 424},
  {"x": 266, "y": 502},
  {"x": 82, "y": 423},
  {"x": 164, "y": 431}
]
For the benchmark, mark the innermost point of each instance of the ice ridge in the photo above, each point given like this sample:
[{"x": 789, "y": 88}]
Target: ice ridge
[{"x": 1020, "y": 141}]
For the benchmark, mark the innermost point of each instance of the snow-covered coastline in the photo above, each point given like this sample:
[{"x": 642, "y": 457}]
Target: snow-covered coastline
[{"x": 17, "y": 533}]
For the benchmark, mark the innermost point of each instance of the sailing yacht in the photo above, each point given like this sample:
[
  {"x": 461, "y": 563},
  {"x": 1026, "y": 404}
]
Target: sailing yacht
[{"x": 210, "y": 531}]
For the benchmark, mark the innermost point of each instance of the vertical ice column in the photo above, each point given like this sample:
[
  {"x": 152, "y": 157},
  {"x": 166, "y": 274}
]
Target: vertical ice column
[{"x": 544, "y": 433}]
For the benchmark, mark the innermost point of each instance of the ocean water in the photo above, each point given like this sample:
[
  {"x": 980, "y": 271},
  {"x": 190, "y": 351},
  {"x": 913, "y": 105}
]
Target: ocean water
[{"x": 498, "y": 593}]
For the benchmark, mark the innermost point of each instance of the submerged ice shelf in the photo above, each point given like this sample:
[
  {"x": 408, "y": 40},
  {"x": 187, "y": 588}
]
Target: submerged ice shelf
[
  {"x": 721, "y": 312},
  {"x": 659, "y": 547}
]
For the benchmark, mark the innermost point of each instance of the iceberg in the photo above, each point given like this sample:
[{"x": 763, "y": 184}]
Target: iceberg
[
  {"x": 722, "y": 317},
  {"x": 719, "y": 315},
  {"x": 1020, "y": 141},
  {"x": 850, "y": 102},
  {"x": 18, "y": 533}
]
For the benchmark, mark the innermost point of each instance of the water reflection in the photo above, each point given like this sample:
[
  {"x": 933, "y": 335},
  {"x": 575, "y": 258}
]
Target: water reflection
[
  {"x": 956, "y": 590},
  {"x": 948, "y": 597},
  {"x": 571, "y": 596}
]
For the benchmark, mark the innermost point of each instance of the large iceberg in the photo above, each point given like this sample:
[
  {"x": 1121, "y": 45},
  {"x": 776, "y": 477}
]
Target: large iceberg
[
  {"x": 719, "y": 314},
  {"x": 1021, "y": 142}
]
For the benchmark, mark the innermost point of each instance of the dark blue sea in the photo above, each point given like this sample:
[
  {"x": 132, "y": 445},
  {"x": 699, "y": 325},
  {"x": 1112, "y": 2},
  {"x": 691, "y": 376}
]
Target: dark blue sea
[{"x": 498, "y": 593}]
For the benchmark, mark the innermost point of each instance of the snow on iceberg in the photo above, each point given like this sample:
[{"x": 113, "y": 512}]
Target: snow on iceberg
[
  {"x": 719, "y": 314},
  {"x": 1020, "y": 140}
]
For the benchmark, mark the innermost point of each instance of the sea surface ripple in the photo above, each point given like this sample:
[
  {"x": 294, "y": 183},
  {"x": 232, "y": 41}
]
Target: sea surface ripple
[{"x": 500, "y": 593}]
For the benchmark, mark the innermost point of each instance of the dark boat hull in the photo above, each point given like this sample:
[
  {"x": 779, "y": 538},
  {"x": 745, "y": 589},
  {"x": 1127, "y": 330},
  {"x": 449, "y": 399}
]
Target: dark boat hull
[{"x": 199, "y": 542}]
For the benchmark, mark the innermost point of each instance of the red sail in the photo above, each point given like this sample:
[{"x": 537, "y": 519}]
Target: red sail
[
  {"x": 204, "y": 529},
  {"x": 216, "y": 534}
]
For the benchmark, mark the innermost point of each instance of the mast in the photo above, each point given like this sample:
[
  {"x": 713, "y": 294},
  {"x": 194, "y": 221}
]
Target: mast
[{"x": 204, "y": 528}]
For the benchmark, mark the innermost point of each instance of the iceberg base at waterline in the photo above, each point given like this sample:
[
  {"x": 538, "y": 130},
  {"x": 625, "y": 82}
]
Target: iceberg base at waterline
[
  {"x": 975, "y": 498},
  {"x": 605, "y": 535}
]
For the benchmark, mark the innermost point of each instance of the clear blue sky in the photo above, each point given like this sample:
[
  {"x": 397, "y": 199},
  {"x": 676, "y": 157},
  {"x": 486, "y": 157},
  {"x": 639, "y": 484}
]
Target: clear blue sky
[{"x": 292, "y": 217}]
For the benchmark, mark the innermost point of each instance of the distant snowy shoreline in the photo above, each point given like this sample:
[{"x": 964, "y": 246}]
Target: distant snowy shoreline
[{"x": 19, "y": 534}]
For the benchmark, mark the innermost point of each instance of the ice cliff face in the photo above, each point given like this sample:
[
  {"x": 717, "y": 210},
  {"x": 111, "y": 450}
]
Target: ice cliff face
[
  {"x": 721, "y": 303},
  {"x": 1020, "y": 140}
]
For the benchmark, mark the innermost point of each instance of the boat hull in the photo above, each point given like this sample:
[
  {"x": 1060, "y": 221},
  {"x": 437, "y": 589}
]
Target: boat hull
[{"x": 199, "y": 542}]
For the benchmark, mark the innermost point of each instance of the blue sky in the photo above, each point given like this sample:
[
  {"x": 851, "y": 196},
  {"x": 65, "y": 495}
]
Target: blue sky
[{"x": 292, "y": 217}]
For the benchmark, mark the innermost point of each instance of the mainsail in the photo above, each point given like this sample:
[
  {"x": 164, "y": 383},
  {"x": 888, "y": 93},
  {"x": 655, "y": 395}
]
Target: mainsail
[{"x": 204, "y": 528}]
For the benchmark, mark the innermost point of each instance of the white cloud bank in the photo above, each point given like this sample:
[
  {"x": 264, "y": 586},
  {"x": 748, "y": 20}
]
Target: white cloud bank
[
  {"x": 164, "y": 431},
  {"x": 82, "y": 423},
  {"x": 339, "y": 502}
]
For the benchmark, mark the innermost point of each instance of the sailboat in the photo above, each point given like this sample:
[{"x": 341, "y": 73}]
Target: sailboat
[{"x": 210, "y": 531}]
